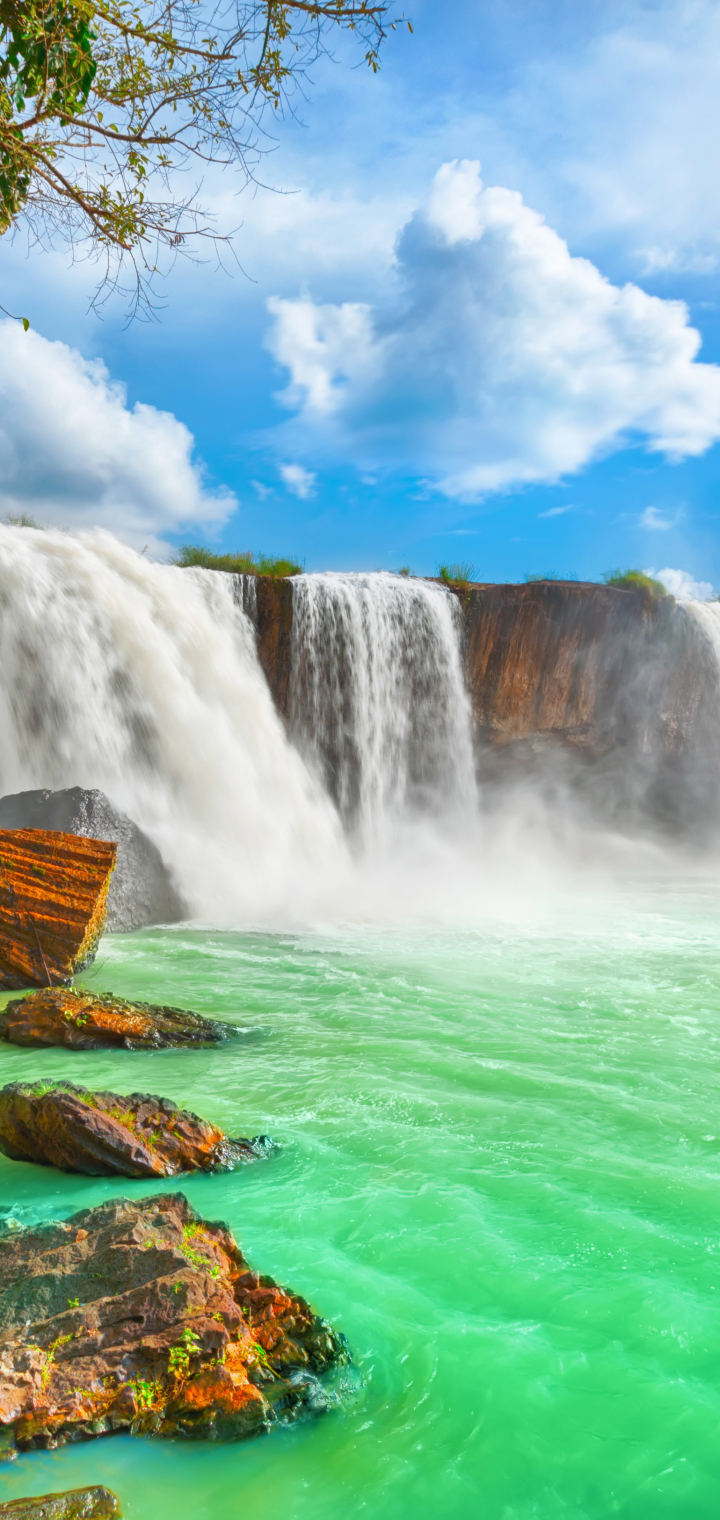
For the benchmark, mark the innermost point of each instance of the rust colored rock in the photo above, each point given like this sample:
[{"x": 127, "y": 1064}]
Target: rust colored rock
[
  {"x": 611, "y": 691},
  {"x": 143, "y": 1317},
  {"x": 268, "y": 602},
  {"x": 53, "y": 902},
  {"x": 100, "y": 1021},
  {"x": 550, "y": 658},
  {"x": 76, "y": 1504},
  {"x": 104, "y": 1134}
]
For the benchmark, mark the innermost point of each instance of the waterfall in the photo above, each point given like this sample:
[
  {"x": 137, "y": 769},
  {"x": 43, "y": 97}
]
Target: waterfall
[
  {"x": 378, "y": 706},
  {"x": 142, "y": 679},
  {"x": 707, "y": 614}
]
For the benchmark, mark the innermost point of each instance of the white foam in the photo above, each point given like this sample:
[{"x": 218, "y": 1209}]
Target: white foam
[{"x": 142, "y": 679}]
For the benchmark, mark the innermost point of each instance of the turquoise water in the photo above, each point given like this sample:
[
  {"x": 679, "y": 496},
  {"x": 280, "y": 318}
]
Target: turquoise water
[{"x": 499, "y": 1176}]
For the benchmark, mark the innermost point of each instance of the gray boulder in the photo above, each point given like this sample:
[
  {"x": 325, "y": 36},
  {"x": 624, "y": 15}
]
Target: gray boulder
[{"x": 141, "y": 889}]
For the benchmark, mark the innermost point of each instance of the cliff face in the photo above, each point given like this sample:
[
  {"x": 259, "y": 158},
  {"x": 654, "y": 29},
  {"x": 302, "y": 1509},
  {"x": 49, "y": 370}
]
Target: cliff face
[
  {"x": 268, "y": 604},
  {"x": 550, "y": 660},
  {"x": 610, "y": 692}
]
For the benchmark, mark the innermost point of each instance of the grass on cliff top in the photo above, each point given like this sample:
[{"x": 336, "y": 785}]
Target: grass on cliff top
[
  {"x": 635, "y": 580},
  {"x": 191, "y": 556},
  {"x": 461, "y": 574}
]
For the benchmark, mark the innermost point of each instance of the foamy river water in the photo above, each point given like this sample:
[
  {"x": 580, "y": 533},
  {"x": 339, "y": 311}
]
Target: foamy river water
[{"x": 499, "y": 1177}]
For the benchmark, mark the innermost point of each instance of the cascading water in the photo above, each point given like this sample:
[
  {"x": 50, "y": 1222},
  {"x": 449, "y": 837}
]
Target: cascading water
[
  {"x": 378, "y": 706},
  {"x": 142, "y": 679},
  {"x": 707, "y": 614}
]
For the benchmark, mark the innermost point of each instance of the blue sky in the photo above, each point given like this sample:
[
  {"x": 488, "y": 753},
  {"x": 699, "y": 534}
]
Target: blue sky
[{"x": 412, "y": 367}]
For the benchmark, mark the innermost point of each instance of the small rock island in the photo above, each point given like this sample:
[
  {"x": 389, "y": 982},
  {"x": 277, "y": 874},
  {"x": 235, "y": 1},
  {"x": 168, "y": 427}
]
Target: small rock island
[
  {"x": 101, "y": 1021},
  {"x": 144, "y": 1317},
  {"x": 105, "y": 1134}
]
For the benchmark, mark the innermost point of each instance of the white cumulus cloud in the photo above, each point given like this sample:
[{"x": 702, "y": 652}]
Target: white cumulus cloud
[
  {"x": 73, "y": 453},
  {"x": 298, "y": 480},
  {"x": 682, "y": 585},
  {"x": 497, "y": 358}
]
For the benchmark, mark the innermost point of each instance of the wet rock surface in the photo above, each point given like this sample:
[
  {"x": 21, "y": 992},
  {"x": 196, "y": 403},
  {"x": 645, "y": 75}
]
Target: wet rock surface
[
  {"x": 99, "y": 1021},
  {"x": 76, "y": 1504},
  {"x": 143, "y": 1317},
  {"x": 105, "y": 1134},
  {"x": 142, "y": 890}
]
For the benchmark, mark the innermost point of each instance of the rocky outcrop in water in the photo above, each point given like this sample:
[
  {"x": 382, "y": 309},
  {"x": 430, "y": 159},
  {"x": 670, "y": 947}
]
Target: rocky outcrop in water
[
  {"x": 105, "y": 1134},
  {"x": 141, "y": 890},
  {"x": 101, "y": 1021},
  {"x": 53, "y": 899},
  {"x": 76, "y": 1504},
  {"x": 143, "y": 1317}
]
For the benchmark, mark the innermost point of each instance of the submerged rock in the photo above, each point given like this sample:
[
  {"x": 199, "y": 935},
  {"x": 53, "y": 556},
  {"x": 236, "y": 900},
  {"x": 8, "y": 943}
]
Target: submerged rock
[
  {"x": 143, "y": 1317},
  {"x": 76, "y": 1504},
  {"x": 98, "y": 1021},
  {"x": 105, "y": 1134},
  {"x": 142, "y": 890},
  {"x": 53, "y": 901}
]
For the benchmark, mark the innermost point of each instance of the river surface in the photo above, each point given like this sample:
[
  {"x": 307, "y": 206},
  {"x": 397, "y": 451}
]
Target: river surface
[{"x": 499, "y": 1176}]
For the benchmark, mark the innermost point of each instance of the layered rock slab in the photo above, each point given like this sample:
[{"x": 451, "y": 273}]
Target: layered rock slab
[
  {"x": 142, "y": 890},
  {"x": 144, "y": 1317},
  {"x": 75, "y": 1504},
  {"x": 105, "y": 1134},
  {"x": 101, "y": 1021},
  {"x": 53, "y": 904}
]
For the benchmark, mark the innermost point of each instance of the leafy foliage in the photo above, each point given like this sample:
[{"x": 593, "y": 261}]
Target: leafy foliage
[
  {"x": 192, "y": 555},
  {"x": 634, "y": 580},
  {"x": 101, "y": 101}
]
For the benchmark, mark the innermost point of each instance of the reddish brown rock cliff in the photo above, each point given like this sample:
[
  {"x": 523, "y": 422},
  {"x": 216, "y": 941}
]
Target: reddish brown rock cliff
[
  {"x": 550, "y": 659},
  {"x": 617, "y": 682}
]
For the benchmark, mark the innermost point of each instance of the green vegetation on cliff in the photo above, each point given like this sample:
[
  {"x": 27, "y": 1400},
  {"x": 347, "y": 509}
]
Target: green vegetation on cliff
[
  {"x": 634, "y": 580},
  {"x": 192, "y": 555},
  {"x": 457, "y": 574}
]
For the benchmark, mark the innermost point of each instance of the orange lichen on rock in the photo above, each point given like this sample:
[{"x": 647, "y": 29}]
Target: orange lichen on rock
[{"x": 53, "y": 901}]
